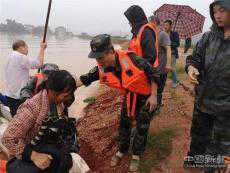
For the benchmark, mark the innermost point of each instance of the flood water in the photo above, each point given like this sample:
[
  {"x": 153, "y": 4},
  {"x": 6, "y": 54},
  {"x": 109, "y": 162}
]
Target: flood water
[{"x": 70, "y": 54}]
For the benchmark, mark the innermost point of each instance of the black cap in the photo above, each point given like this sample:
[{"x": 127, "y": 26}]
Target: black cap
[{"x": 99, "y": 45}]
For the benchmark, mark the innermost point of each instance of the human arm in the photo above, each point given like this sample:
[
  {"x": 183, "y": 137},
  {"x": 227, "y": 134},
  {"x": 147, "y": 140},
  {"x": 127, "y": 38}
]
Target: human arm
[
  {"x": 148, "y": 45},
  {"x": 28, "y": 91},
  {"x": 34, "y": 63},
  {"x": 88, "y": 78}
]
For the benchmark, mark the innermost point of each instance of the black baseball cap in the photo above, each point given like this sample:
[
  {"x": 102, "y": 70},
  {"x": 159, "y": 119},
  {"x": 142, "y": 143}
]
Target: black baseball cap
[{"x": 99, "y": 44}]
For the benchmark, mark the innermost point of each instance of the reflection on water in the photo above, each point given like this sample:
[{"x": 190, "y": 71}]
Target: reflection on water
[{"x": 69, "y": 54}]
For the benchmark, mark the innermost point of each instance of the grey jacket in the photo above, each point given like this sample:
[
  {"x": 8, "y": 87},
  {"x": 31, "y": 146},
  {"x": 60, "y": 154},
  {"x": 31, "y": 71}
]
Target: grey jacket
[
  {"x": 28, "y": 91},
  {"x": 212, "y": 58}
]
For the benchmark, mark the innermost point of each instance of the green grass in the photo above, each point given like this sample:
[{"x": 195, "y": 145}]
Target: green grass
[
  {"x": 159, "y": 146},
  {"x": 179, "y": 69},
  {"x": 90, "y": 100}
]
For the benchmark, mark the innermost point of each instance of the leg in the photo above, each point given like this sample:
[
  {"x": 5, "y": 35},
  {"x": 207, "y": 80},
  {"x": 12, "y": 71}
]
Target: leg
[
  {"x": 124, "y": 129},
  {"x": 18, "y": 166},
  {"x": 124, "y": 135},
  {"x": 143, "y": 119},
  {"x": 201, "y": 132},
  {"x": 174, "y": 74},
  {"x": 160, "y": 89},
  {"x": 62, "y": 160},
  {"x": 220, "y": 144}
]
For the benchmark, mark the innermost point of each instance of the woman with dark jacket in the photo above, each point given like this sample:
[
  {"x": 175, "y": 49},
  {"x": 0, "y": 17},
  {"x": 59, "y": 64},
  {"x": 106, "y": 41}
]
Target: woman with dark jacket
[{"x": 27, "y": 124}]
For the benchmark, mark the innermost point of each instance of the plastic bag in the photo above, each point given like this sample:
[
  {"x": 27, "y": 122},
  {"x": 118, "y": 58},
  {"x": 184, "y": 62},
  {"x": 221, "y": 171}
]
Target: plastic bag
[
  {"x": 79, "y": 165},
  {"x": 2, "y": 130}
]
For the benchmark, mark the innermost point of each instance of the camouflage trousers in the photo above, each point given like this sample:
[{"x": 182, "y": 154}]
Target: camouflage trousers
[{"x": 143, "y": 119}]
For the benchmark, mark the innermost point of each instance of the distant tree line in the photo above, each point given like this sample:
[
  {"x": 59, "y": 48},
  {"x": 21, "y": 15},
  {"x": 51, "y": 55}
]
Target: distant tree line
[{"x": 14, "y": 27}]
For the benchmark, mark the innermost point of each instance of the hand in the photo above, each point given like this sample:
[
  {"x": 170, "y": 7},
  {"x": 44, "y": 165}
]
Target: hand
[
  {"x": 193, "y": 73},
  {"x": 227, "y": 163},
  {"x": 227, "y": 160},
  {"x": 151, "y": 102},
  {"x": 41, "y": 160},
  {"x": 168, "y": 68},
  {"x": 78, "y": 83},
  {"x": 43, "y": 45}
]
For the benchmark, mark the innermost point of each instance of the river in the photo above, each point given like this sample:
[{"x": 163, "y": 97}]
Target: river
[{"x": 70, "y": 54}]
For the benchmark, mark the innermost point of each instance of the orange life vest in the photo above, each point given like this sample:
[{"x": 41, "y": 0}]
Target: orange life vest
[
  {"x": 132, "y": 79},
  {"x": 3, "y": 166},
  {"x": 135, "y": 43},
  {"x": 40, "y": 79}
]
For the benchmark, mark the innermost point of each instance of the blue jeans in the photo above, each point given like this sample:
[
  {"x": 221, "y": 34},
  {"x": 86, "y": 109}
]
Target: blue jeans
[{"x": 174, "y": 73}]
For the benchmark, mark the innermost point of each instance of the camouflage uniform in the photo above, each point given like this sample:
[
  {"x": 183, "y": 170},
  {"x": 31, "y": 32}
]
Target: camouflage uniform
[{"x": 143, "y": 117}]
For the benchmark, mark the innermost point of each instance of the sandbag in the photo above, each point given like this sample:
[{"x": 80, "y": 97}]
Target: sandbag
[
  {"x": 5, "y": 112},
  {"x": 2, "y": 130}
]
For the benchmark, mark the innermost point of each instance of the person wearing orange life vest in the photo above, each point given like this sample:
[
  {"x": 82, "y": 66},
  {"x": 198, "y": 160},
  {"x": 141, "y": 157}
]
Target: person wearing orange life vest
[
  {"x": 34, "y": 84},
  {"x": 37, "y": 83},
  {"x": 144, "y": 41},
  {"x": 164, "y": 57},
  {"x": 125, "y": 71}
]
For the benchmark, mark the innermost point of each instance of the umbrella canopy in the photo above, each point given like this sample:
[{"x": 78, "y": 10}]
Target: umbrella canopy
[{"x": 187, "y": 21}]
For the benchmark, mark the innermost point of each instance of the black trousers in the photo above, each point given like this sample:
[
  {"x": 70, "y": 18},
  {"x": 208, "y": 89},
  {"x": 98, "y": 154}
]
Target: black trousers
[
  {"x": 143, "y": 119},
  {"x": 210, "y": 137},
  {"x": 161, "y": 86},
  {"x": 201, "y": 132},
  {"x": 18, "y": 166},
  {"x": 61, "y": 163}
]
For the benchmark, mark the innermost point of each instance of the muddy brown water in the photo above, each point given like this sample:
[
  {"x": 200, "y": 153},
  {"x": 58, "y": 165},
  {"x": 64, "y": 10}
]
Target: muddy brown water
[{"x": 70, "y": 54}]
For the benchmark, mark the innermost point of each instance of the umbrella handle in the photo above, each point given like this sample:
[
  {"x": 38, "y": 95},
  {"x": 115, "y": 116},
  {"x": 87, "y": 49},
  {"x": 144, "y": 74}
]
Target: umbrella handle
[{"x": 177, "y": 17}]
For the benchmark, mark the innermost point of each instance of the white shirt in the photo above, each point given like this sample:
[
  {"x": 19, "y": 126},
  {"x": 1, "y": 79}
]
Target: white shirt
[{"x": 17, "y": 73}]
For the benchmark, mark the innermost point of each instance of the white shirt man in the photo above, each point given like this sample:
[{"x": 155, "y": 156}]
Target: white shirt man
[{"x": 17, "y": 72}]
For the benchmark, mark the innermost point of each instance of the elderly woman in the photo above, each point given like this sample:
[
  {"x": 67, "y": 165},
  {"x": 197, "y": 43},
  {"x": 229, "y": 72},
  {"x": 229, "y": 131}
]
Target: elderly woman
[{"x": 26, "y": 124}]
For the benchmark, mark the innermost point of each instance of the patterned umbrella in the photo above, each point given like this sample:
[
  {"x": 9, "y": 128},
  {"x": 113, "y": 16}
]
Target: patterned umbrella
[{"x": 187, "y": 21}]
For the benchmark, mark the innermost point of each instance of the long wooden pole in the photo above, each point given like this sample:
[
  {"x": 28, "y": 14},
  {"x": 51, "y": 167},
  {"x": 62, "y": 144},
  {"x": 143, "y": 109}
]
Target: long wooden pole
[
  {"x": 47, "y": 21},
  {"x": 46, "y": 25}
]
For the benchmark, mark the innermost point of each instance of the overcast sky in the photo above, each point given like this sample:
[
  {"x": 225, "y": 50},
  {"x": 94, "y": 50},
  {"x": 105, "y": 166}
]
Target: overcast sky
[{"x": 92, "y": 16}]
